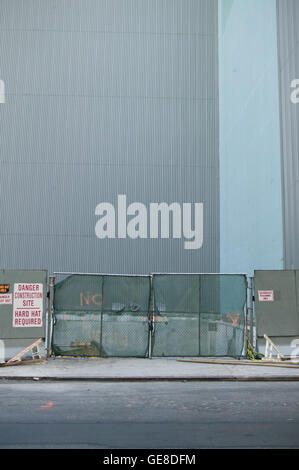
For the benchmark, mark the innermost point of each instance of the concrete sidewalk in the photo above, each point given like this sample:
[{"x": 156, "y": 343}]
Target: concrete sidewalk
[{"x": 134, "y": 369}]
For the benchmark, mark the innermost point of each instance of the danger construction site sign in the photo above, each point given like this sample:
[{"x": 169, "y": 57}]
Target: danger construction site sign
[{"x": 27, "y": 305}]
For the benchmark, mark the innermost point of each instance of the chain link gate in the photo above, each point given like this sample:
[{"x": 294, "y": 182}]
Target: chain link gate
[
  {"x": 199, "y": 315},
  {"x": 101, "y": 315},
  {"x": 161, "y": 315}
]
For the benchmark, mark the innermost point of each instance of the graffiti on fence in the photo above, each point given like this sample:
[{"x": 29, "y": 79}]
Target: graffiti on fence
[{"x": 91, "y": 299}]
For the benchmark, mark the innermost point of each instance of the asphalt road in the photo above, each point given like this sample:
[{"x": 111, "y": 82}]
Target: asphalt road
[{"x": 184, "y": 415}]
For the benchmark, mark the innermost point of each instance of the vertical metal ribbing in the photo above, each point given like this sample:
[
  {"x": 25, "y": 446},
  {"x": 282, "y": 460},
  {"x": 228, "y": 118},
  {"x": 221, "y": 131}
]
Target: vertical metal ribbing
[{"x": 153, "y": 80}]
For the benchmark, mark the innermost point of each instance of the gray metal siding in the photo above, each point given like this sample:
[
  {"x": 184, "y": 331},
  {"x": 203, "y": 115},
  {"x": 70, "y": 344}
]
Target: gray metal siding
[
  {"x": 106, "y": 98},
  {"x": 288, "y": 51}
]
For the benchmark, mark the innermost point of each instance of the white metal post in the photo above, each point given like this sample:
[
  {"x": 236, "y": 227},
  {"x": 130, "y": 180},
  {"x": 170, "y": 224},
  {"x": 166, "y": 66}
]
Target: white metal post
[{"x": 50, "y": 314}]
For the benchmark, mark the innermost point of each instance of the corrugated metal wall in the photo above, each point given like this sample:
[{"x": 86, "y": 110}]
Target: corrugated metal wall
[
  {"x": 106, "y": 97},
  {"x": 288, "y": 51}
]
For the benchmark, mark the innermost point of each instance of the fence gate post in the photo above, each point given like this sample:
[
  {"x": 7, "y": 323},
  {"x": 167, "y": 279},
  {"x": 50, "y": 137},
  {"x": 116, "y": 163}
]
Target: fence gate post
[
  {"x": 251, "y": 297},
  {"x": 50, "y": 315},
  {"x": 150, "y": 319}
]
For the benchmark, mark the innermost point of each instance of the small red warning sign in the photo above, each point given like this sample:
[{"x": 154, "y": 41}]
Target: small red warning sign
[
  {"x": 266, "y": 295},
  {"x": 5, "y": 299}
]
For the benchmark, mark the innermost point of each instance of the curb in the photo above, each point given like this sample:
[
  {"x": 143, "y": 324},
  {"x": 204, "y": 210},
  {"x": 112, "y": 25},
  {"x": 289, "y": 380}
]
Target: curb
[{"x": 154, "y": 379}]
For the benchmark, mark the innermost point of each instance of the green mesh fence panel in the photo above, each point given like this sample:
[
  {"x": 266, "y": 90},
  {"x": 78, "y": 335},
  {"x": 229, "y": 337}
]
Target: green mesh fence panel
[
  {"x": 100, "y": 315},
  {"x": 199, "y": 315},
  {"x": 194, "y": 315}
]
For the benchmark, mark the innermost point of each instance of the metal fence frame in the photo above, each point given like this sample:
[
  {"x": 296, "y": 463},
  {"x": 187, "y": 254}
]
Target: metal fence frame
[
  {"x": 248, "y": 313},
  {"x": 65, "y": 275}
]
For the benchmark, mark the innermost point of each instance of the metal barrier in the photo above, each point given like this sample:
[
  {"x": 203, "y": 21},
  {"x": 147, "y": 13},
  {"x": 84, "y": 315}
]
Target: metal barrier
[
  {"x": 199, "y": 314},
  {"x": 101, "y": 315},
  {"x": 150, "y": 315},
  {"x": 277, "y": 309}
]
